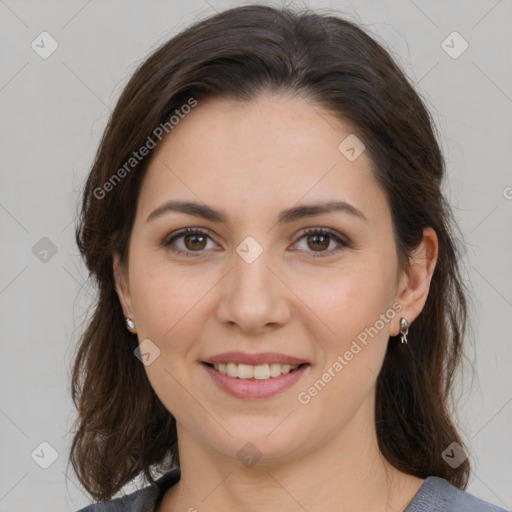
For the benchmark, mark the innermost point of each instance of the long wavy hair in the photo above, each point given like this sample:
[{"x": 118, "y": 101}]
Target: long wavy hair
[{"x": 123, "y": 430}]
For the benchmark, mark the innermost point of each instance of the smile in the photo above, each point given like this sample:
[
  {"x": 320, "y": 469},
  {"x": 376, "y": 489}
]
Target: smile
[{"x": 254, "y": 382}]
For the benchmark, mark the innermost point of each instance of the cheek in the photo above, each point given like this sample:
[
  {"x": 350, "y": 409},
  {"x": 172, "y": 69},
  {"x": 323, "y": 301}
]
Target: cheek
[
  {"x": 353, "y": 356},
  {"x": 356, "y": 305},
  {"x": 167, "y": 301},
  {"x": 169, "y": 306},
  {"x": 349, "y": 300}
]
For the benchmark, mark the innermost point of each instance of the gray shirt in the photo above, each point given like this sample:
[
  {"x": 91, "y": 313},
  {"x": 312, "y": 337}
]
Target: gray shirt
[{"x": 435, "y": 495}]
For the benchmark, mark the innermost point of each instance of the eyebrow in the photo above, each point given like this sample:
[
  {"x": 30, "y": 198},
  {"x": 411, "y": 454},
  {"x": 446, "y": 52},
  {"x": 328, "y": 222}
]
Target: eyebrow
[{"x": 285, "y": 216}]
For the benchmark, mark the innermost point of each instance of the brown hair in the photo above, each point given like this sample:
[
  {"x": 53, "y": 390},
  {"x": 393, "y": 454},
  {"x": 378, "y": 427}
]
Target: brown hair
[{"x": 123, "y": 430}]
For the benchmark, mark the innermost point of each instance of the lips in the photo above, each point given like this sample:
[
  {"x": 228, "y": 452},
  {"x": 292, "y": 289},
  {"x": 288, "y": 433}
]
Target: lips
[{"x": 255, "y": 376}]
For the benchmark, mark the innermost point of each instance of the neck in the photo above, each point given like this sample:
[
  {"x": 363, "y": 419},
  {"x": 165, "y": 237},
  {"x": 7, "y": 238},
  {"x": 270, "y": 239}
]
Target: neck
[{"x": 348, "y": 474}]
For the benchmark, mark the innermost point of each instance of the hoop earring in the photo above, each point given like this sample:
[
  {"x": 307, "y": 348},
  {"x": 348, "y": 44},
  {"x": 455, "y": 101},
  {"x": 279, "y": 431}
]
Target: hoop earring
[
  {"x": 130, "y": 325},
  {"x": 404, "y": 329}
]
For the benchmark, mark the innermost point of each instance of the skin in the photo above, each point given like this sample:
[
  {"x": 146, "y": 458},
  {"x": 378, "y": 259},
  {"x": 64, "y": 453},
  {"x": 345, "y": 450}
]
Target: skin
[{"x": 253, "y": 159}]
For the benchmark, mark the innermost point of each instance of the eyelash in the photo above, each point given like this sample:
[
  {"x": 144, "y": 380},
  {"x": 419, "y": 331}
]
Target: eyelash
[{"x": 309, "y": 231}]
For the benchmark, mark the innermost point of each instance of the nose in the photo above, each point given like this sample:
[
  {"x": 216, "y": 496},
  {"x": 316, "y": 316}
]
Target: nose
[{"x": 253, "y": 297}]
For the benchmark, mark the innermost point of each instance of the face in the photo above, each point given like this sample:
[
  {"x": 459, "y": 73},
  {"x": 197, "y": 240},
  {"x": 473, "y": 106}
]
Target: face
[{"x": 265, "y": 285}]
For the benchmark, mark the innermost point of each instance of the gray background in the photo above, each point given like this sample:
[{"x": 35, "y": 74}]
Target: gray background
[{"x": 53, "y": 112}]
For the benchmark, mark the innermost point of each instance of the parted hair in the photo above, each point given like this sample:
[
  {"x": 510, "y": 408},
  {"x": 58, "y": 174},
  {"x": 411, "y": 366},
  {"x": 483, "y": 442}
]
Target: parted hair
[{"x": 122, "y": 430}]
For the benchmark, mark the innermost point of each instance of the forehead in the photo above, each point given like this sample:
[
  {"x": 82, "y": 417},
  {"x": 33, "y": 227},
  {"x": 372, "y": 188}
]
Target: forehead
[{"x": 269, "y": 152}]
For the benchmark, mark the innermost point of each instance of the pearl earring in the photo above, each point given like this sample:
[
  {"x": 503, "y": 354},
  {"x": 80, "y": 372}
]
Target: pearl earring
[{"x": 130, "y": 325}]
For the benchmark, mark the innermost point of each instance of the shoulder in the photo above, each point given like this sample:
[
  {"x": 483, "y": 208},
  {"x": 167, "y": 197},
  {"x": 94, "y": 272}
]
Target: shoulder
[
  {"x": 438, "y": 495},
  {"x": 143, "y": 500}
]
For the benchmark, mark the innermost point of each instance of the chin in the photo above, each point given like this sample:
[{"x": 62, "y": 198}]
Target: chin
[{"x": 258, "y": 441}]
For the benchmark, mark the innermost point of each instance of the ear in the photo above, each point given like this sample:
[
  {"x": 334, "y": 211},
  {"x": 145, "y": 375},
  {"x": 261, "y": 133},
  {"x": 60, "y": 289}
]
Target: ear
[
  {"x": 414, "y": 283},
  {"x": 122, "y": 285}
]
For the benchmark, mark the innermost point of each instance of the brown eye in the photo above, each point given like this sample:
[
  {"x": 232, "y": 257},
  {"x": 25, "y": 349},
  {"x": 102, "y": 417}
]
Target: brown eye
[
  {"x": 194, "y": 242},
  {"x": 318, "y": 240},
  {"x": 187, "y": 241}
]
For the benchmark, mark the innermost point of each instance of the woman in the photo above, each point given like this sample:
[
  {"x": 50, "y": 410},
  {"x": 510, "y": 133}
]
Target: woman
[{"x": 265, "y": 225}]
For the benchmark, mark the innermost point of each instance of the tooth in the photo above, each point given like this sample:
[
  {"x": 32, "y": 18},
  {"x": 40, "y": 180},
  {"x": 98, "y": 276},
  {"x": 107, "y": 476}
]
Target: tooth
[
  {"x": 285, "y": 368},
  {"x": 245, "y": 371},
  {"x": 232, "y": 369},
  {"x": 275, "y": 370},
  {"x": 262, "y": 371}
]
